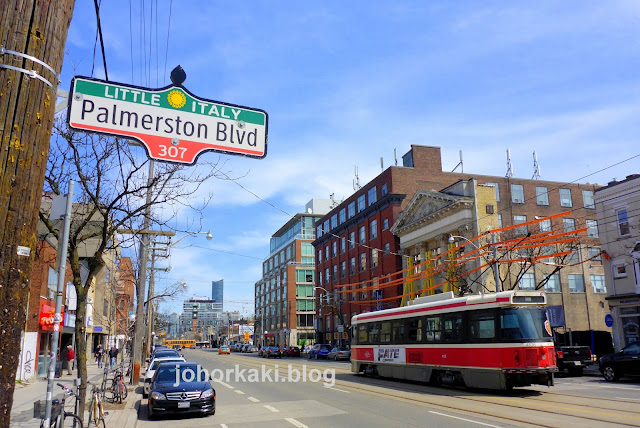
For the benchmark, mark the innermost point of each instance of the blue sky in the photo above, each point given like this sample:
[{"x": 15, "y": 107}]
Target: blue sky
[{"x": 345, "y": 83}]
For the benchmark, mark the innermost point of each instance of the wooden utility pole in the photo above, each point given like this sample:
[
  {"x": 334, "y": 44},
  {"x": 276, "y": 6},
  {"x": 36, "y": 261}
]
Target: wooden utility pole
[{"x": 32, "y": 32}]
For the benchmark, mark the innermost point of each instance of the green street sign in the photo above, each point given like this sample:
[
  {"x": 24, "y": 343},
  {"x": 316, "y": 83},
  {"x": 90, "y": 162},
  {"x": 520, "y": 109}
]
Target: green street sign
[{"x": 171, "y": 123}]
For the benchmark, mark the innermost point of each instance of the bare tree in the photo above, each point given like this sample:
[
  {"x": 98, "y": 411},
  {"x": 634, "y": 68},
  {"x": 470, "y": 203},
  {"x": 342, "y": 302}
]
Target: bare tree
[{"x": 110, "y": 195}]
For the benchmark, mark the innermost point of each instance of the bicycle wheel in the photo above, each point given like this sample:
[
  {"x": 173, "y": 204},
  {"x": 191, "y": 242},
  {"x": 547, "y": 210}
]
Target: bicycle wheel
[
  {"x": 71, "y": 420},
  {"x": 125, "y": 392}
]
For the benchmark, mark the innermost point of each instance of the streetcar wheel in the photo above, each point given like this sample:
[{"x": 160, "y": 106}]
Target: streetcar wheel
[{"x": 610, "y": 374}]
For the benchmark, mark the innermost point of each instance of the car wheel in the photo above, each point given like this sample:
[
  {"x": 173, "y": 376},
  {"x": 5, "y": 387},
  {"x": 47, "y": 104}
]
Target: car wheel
[
  {"x": 316, "y": 356},
  {"x": 610, "y": 374},
  {"x": 335, "y": 358}
]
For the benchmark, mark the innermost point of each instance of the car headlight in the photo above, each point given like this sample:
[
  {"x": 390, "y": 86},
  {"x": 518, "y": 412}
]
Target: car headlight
[
  {"x": 207, "y": 393},
  {"x": 158, "y": 396}
]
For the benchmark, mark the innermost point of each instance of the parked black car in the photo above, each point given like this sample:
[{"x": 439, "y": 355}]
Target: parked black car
[
  {"x": 173, "y": 393},
  {"x": 625, "y": 362},
  {"x": 271, "y": 352}
]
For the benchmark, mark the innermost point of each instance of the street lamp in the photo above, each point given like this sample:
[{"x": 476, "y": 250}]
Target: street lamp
[{"x": 496, "y": 274}]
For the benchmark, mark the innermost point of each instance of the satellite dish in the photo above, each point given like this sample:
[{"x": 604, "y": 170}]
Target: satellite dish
[{"x": 309, "y": 210}]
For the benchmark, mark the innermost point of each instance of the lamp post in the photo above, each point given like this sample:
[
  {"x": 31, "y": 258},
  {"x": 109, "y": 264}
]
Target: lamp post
[{"x": 496, "y": 274}]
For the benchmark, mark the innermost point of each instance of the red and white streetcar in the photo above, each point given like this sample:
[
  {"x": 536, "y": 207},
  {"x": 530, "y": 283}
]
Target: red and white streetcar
[{"x": 495, "y": 340}]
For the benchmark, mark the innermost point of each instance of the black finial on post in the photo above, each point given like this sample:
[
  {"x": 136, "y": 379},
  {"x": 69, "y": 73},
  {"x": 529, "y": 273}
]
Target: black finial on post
[{"x": 178, "y": 76}]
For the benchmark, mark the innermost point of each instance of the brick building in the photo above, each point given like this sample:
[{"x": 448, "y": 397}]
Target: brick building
[
  {"x": 125, "y": 290},
  {"x": 355, "y": 243}
]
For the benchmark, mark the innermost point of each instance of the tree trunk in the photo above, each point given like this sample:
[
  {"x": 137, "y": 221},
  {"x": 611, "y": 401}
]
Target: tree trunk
[
  {"x": 81, "y": 343},
  {"x": 37, "y": 28}
]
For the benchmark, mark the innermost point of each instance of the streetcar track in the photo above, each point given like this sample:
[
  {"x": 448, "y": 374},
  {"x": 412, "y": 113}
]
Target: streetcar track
[{"x": 545, "y": 403}]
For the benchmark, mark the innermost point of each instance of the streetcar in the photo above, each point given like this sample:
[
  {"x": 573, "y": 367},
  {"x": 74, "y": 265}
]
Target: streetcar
[{"x": 494, "y": 340}]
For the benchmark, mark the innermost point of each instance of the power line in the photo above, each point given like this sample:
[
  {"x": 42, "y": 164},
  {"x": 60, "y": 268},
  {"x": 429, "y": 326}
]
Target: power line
[
  {"x": 166, "y": 53},
  {"x": 104, "y": 59}
]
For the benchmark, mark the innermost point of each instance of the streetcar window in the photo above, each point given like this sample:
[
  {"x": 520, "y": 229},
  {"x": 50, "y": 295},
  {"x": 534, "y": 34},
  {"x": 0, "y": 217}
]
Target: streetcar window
[
  {"x": 453, "y": 328},
  {"x": 523, "y": 324},
  {"x": 374, "y": 332},
  {"x": 354, "y": 334},
  {"x": 482, "y": 325},
  {"x": 385, "y": 332},
  {"x": 433, "y": 329},
  {"x": 398, "y": 331},
  {"x": 415, "y": 330},
  {"x": 362, "y": 333}
]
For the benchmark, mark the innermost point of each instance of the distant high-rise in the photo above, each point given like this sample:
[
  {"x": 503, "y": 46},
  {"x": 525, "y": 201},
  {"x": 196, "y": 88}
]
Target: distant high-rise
[{"x": 217, "y": 293}]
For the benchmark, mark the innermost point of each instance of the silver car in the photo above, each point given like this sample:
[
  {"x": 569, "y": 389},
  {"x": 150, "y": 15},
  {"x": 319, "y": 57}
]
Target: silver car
[{"x": 338, "y": 353}]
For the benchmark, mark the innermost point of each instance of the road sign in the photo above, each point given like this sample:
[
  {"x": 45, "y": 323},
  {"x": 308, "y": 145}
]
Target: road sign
[
  {"x": 608, "y": 320},
  {"x": 171, "y": 123}
]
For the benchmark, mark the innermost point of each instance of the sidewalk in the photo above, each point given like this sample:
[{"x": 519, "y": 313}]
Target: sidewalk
[{"x": 25, "y": 395}]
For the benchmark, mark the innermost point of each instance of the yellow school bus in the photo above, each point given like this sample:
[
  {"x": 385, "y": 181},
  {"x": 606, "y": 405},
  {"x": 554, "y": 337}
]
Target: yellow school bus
[{"x": 182, "y": 343}]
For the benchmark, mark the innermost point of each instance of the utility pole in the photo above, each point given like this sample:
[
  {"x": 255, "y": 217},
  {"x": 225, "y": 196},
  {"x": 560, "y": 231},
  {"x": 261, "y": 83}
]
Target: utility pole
[{"x": 32, "y": 39}]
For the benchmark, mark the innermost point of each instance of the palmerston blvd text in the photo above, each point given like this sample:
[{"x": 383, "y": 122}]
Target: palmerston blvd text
[{"x": 173, "y": 126}]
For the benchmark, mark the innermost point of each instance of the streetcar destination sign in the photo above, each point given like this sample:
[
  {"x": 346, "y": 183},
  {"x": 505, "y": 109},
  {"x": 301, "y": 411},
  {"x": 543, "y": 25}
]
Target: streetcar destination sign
[{"x": 171, "y": 123}]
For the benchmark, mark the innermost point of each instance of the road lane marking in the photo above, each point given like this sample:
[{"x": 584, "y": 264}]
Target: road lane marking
[
  {"x": 296, "y": 423},
  {"x": 463, "y": 419},
  {"x": 255, "y": 400},
  {"x": 238, "y": 392},
  {"x": 336, "y": 389},
  {"x": 625, "y": 398},
  {"x": 224, "y": 384},
  {"x": 273, "y": 409},
  {"x": 223, "y": 426},
  {"x": 619, "y": 387}
]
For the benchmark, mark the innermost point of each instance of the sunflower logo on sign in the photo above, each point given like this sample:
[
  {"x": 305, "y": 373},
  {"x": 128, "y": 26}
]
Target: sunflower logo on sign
[{"x": 176, "y": 99}]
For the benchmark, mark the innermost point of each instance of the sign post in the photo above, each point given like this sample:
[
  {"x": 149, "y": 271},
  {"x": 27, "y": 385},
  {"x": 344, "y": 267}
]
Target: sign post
[{"x": 171, "y": 123}]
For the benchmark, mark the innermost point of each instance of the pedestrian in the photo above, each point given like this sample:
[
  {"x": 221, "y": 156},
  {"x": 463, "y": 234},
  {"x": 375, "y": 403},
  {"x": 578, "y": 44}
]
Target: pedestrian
[
  {"x": 99, "y": 354},
  {"x": 70, "y": 357},
  {"x": 113, "y": 355}
]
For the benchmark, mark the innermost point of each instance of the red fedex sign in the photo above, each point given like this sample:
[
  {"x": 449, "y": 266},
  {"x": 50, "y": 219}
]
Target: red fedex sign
[{"x": 171, "y": 123}]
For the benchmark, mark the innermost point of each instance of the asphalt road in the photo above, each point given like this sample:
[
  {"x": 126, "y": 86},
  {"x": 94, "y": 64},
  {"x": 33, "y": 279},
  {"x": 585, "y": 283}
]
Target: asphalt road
[{"x": 254, "y": 392}]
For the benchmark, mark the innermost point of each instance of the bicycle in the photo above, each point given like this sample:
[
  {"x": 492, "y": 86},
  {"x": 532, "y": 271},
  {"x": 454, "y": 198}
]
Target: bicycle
[
  {"x": 59, "y": 418},
  {"x": 96, "y": 412},
  {"x": 118, "y": 388}
]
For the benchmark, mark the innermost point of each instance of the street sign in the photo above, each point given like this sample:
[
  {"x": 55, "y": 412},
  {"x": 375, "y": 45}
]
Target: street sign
[
  {"x": 171, "y": 123},
  {"x": 608, "y": 320}
]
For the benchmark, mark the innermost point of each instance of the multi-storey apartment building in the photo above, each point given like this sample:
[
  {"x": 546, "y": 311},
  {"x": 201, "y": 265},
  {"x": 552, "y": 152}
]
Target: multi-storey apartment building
[
  {"x": 285, "y": 296},
  {"x": 618, "y": 205},
  {"x": 356, "y": 246},
  {"x": 199, "y": 314}
]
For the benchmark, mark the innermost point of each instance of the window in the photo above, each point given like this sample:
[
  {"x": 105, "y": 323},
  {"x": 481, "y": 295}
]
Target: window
[
  {"x": 384, "y": 190},
  {"x": 587, "y": 199},
  {"x": 500, "y": 220},
  {"x": 542, "y": 196},
  {"x": 335, "y": 271},
  {"x": 545, "y": 225},
  {"x": 319, "y": 230},
  {"x": 576, "y": 283},
  {"x": 623, "y": 221},
  {"x": 327, "y": 276},
  {"x": 334, "y": 248},
  {"x": 569, "y": 224},
  {"x": 385, "y": 224},
  {"x": 453, "y": 329},
  {"x": 482, "y": 326},
  {"x": 352, "y": 266},
  {"x": 565, "y": 198},
  {"x": 519, "y": 219},
  {"x": 343, "y": 245},
  {"x": 385, "y": 332},
  {"x": 592, "y": 228},
  {"x": 352, "y": 209},
  {"x": 597, "y": 281},
  {"x": 619, "y": 269},
  {"x": 527, "y": 281},
  {"x": 326, "y": 226},
  {"x": 306, "y": 275},
  {"x": 387, "y": 248},
  {"x": 343, "y": 215},
  {"x": 343, "y": 269},
  {"x": 553, "y": 284},
  {"x": 373, "y": 195},
  {"x": 326, "y": 252},
  {"x": 374, "y": 258},
  {"x": 594, "y": 254},
  {"x": 433, "y": 329},
  {"x": 52, "y": 284},
  {"x": 373, "y": 229},
  {"x": 363, "y": 262},
  {"x": 320, "y": 278},
  {"x": 105, "y": 308},
  {"x": 334, "y": 221},
  {"x": 352, "y": 240},
  {"x": 517, "y": 193},
  {"x": 415, "y": 330},
  {"x": 361, "y": 203},
  {"x": 497, "y": 190},
  {"x": 362, "y": 235},
  {"x": 319, "y": 256}
]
